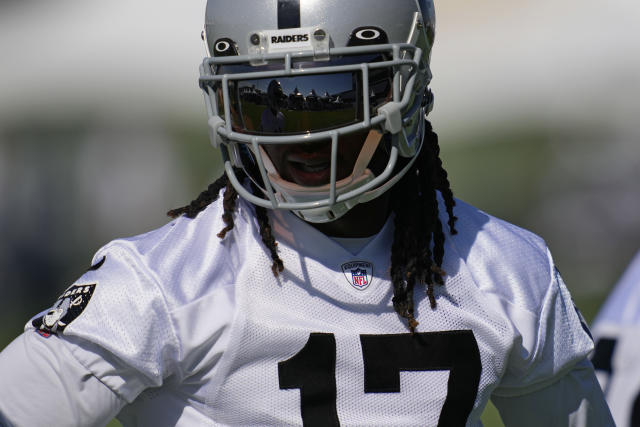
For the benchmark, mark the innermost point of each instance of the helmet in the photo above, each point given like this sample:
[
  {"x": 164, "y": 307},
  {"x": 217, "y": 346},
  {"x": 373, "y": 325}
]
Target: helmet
[{"x": 310, "y": 72}]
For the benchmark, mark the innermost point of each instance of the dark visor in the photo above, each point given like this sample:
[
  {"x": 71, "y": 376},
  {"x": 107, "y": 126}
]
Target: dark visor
[{"x": 303, "y": 103}]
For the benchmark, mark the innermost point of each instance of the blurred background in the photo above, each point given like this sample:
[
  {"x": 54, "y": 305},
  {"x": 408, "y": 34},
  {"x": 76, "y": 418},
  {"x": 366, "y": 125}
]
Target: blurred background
[{"x": 102, "y": 130}]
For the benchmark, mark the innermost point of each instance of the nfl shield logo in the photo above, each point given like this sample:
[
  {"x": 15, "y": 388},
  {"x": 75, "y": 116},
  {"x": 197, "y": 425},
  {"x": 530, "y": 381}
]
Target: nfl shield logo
[
  {"x": 358, "y": 273},
  {"x": 359, "y": 277}
]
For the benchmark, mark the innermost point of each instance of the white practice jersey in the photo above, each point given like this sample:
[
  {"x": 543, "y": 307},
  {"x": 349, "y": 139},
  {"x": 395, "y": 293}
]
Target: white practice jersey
[
  {"x": 616, "y": 330},
  {"x": 178, "y": 327}
]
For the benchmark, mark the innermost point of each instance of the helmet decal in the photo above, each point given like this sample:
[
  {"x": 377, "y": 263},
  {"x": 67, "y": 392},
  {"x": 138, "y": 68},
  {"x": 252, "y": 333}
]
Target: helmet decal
[
  {"x": 362, "y": 36},
  {"x": 225, "y": 47}
]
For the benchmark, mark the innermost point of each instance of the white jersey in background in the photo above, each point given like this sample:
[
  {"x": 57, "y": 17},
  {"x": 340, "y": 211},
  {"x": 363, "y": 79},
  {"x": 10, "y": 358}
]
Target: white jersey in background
[
  {"x": 175, "y": 327},
  {"x": 616, "y": 330}
]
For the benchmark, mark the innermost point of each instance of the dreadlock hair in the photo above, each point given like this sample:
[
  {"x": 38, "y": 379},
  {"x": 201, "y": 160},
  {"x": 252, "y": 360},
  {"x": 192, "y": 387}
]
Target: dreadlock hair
[
  {"x": 417, "y": 251},
  {"x": 212, "y": 193}
]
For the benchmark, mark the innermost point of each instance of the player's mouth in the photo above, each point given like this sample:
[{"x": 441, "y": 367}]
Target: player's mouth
[
  {"x": 309, "y": 170},
  {"x": 310, "y": 167}
]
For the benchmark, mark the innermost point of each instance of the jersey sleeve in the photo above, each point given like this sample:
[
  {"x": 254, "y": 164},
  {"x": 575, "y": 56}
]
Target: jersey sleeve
[
  {"x": 549, "y": 379},
  {"x": 549, "y": 342},
  {"x": 115, "y": 321},
  {"x": 43, "y": 384},
  {"x": 574, "y": 399}
]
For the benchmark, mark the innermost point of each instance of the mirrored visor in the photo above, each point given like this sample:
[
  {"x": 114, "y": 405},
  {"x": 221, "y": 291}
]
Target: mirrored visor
[{"x": 303, "y": 103}]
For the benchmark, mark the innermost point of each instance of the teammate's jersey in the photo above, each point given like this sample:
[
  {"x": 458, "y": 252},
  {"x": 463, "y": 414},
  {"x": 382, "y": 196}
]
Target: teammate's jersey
[
  {"x": 616, "y": 330},
  {"x": 191, "y": 330}
]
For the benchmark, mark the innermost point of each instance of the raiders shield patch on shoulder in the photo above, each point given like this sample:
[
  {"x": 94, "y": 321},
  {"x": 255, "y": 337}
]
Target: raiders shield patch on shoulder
[{"x": 67, "y": 308}]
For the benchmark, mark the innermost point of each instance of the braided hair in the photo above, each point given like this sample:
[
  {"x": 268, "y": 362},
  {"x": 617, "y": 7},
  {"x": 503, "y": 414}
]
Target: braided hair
[{"x": 417, "y": 251}]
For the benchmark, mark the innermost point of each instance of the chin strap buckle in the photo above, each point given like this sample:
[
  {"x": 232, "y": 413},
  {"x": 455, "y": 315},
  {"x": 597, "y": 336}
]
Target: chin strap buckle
[
  {"x": 393, "y": 115},
  {"x": 214, "y": 123}
]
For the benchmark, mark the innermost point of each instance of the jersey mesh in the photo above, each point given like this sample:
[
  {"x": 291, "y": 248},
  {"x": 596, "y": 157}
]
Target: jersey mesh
[{"x": 221, "y": 333}]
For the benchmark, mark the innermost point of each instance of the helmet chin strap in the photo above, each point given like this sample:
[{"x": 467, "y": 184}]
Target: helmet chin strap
[{"x": 288, "y": 191}]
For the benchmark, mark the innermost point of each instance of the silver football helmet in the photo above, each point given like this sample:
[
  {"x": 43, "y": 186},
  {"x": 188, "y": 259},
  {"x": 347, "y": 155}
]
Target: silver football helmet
[{"x": 312, "y": 73}]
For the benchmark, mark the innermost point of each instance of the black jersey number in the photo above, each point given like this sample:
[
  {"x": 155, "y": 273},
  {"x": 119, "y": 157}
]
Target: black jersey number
[{"x": 312, "y": 370}]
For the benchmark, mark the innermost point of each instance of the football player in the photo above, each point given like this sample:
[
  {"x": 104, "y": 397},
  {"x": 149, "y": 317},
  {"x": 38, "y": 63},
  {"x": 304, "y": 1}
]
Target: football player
[
  {"x": 616, "y": 330},
  {"x": 329, "y": 277}
]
